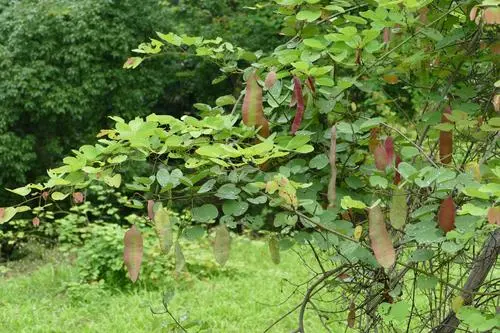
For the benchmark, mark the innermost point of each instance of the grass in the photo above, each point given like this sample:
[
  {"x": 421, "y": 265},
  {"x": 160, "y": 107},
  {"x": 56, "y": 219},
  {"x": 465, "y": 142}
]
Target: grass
[{"x": 242, "y": 298}]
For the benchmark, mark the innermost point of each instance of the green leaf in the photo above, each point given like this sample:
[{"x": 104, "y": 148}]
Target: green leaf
[
  {"x": 378, "y": 181},
  {"x": 22, "y": 191},
  {"x": 319, "y": 162},
  {"x": 476, "y": 320},
  {"x": 409, "y": 152},
  {"x": 167, "y": 179},
  {"x": 225, "y": 100},
  {"x": 205, "y": 213},
  {"x": 117, "y": 159},
  {"x": 222, "y": 244},
  {"x": 207, "y": 186},
  {"x": 6, "y": 214},
  {"x": 234, "y": 207},
  {"x": 421, "y": 255},
  {"x": 426, "y": 282},
  {"x": 114, "y": 181},
  {"x": 194, "y": 233},
  {"x": 308, "y": 15},
  {"x": 406, "y": 170},
  {"x": 58, "y": 196},
  {"x": 228, "y": 191},
  {"x": 348, "y": 202},
  {"x": 314, "y": 43}
]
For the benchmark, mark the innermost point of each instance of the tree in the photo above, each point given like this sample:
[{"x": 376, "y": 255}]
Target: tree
[{"x": 392, "y": 200}]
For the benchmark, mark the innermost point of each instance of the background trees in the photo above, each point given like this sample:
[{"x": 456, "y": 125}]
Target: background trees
[
  {"x": 368, "y": 136},
  {"x": 61, "y": 70}
]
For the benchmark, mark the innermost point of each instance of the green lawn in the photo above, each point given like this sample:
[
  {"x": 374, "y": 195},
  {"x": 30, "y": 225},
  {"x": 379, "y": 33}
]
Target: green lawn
[{"x": 242, "y": 298}]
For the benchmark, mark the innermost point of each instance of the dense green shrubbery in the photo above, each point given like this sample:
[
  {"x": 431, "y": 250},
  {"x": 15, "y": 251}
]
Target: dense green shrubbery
[{"x": 61, "y": 75}]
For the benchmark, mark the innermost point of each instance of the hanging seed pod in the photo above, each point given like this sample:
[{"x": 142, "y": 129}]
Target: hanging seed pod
[
  {"x": 381, "y": 158},
  {"x": 446, "y": 215},
  {"x": 399, "y": 209},
  {"x": 78, "y": 197},
  {"x": 297, "y": 90},
  {"x": 380, "y": 239},
  {"x": 397, "y": 175},
  {"x": 132, "y": 252},
  {"x": 163, "y": 229},
  {"x": 253, "y": 109},
  {"x": 270, "y": 79},
  {"x": 222, "y": 244},
  {"x": 180, "y": 261},
  {"x": 494, "y": 215}
]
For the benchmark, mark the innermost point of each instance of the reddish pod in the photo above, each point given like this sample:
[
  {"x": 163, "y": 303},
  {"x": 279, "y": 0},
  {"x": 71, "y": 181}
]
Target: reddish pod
[
  {"x": 78, "y": 197},
  {"x": 446, "y": 215},
  {"x": 253, "y": 109},
  {"x": 297, "y": 91}
]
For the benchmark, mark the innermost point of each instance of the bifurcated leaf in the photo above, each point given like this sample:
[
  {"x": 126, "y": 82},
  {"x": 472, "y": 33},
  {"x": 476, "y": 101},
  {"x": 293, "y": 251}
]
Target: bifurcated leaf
[
  {"x": 180, "y": 261},
  {"x": 351, "y": 316},
  {"x": 297, "y": 92},
  {"x": 445, "y": 140},
  {"x": 446, "y": 215},
  {"x": 399, "y": 209},
  {"x": 132, "y": 252},
  {"x": 274, "y": 250},
  {"x": 380, "y": 239},
  {"x": 270, "y": 79},
  {"x": 253, "y": 109},
  {"x": 222, "y": 244},
  {"x": 332, "y": 156},
  {"x": 163, "y": 229},
  {"x": 494, "y": 215},
  {"x": 381, "y": 158}
]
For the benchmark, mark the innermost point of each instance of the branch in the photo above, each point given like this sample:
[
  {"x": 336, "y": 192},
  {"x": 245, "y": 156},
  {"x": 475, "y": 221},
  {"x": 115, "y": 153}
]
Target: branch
[{"x": 482, "y": 266}]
